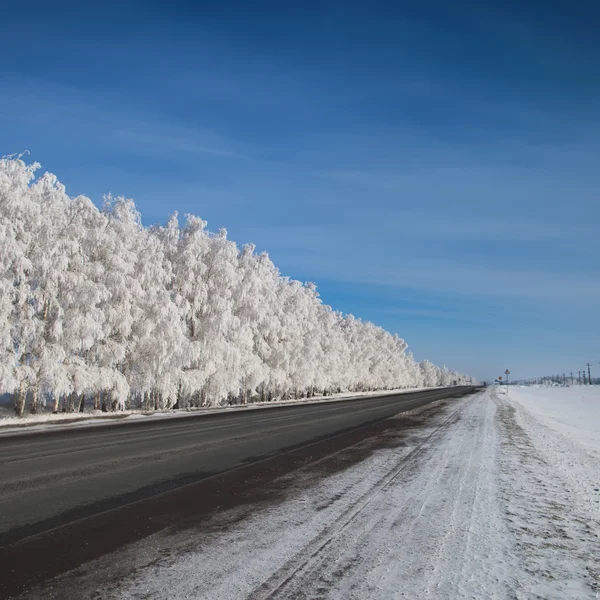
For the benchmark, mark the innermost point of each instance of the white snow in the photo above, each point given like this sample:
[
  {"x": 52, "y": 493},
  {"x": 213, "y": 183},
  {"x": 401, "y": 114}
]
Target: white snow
[
  {"x": 551, "y": 481},
  {"x": 572, "y": 411}
]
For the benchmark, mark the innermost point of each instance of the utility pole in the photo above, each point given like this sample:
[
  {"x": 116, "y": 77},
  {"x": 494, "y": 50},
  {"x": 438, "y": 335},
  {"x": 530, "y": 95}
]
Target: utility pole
[
  {"x": 579, "y": 376},
  {"x": 571, "y": 377},
  {"x": 589, "y": 374}
]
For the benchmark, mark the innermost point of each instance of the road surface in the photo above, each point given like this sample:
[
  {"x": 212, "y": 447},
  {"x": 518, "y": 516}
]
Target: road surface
[
  {"x": 57, "y": 478},
  {"x": 50, "y": 478}
]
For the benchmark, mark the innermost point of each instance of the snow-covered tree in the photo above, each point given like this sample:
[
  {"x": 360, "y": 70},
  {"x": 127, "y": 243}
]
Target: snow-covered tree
[{"x": 97, "y": 308}]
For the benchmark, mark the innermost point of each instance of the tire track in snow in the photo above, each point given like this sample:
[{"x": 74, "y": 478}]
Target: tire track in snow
[
  {"x": 436, "y": 531},
  {"x": 284, "y": 575}
]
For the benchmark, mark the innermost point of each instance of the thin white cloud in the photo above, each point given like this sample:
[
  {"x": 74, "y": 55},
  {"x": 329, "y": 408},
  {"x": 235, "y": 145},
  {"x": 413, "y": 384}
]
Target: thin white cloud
[
  {"x": 124, "y": 125},
  {"x": 165, "y": 140}
]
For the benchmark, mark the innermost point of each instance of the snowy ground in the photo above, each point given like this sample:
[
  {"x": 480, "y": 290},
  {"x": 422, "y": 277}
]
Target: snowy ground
[
  {"x": 494, "y": 496},
  {"x": 572, "y": 411},
  {"x": 551, "y": 487}
]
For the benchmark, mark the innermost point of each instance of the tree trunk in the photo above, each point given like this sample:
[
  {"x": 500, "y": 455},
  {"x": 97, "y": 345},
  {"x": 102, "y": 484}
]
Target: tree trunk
[
  {"x": 20, "y": 400},
  {"x": 242, "y": 394},
  {"x": 45, "y": 310},
  {"x": 179, "y": 401},
  {"x": 55, "y": 403},
  {"x": 34, "y": 400},
  {"x": 81, "y": 403},
  {"x": 96, "y": 400}
]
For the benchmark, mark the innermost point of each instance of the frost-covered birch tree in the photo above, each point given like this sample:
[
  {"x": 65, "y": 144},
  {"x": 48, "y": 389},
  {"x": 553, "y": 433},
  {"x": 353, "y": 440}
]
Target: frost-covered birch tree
[{"x": 98, "y": 310}]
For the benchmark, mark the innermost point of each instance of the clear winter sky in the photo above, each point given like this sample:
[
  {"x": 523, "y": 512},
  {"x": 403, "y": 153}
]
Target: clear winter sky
[{"x": 432, "y": 166}]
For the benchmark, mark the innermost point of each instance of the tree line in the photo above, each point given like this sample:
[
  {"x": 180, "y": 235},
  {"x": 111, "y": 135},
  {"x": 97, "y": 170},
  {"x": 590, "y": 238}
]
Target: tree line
[{"x": 97, "y": 310}]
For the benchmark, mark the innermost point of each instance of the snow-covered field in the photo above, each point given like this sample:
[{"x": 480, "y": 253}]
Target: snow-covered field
[
  {"x": 494, "y": 496},
  {"x": 551, "y": 482},
  {"x": 573, "y": 412}
]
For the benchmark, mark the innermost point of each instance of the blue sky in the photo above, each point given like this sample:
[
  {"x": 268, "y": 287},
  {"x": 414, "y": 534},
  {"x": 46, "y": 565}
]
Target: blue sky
[{"x": 432, "y": 166}]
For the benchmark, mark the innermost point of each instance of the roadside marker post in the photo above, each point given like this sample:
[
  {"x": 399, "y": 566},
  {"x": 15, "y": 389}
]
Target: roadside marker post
[{"x": 507, "y": 373}]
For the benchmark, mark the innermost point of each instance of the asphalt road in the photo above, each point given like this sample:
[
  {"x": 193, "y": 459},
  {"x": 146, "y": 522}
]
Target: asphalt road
[{"x": 54, "y": 478}]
